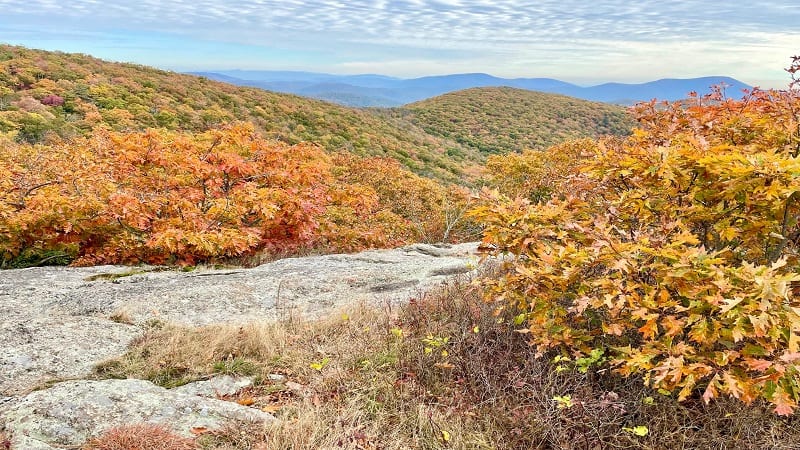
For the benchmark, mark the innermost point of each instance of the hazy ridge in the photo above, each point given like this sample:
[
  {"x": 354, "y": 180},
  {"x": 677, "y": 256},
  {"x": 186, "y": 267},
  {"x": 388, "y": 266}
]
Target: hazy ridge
[{"x": 379, "y": 90}]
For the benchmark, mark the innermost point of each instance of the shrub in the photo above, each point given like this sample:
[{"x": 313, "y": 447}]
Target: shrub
[
  {"x": 675, "y": 252},
  {"x": 160, "y": 196},
  {"x": 52, "y": 100},
  {"x": 181, "y": 198}
]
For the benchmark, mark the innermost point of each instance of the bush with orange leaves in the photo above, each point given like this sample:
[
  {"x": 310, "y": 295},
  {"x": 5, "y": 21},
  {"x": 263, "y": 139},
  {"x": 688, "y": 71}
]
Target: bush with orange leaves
[
  {"x": 673, "y": 254},
  {"x": 161, "y": 197},
  {"x": 380, "y": 203},
  {"x": 166, "y": 197}
]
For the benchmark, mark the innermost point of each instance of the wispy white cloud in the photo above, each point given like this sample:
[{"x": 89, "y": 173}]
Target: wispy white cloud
[{"x": 627, "y": 40}]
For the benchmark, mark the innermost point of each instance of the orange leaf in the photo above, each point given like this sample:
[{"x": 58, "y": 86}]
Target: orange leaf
[
  {"x": 247, "y": 401},
  {"x": 649, "y": 329}
]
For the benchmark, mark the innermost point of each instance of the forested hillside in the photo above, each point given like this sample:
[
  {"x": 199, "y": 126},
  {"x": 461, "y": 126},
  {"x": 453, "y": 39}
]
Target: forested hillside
[{"x": 500, "y": 120}]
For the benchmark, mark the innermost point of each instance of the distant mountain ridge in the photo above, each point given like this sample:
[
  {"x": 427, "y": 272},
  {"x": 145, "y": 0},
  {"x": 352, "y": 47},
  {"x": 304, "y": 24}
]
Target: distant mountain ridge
[{"x": 379, "y": 90}]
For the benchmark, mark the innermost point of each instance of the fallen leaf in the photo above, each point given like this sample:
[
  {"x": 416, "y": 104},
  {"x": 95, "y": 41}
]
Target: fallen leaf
[
  {"x": 445, "y": 435},
  {"x": 247, "y": 401}
]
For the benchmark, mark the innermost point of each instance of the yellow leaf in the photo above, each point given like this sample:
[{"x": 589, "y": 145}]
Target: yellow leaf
[
  {"x": 320, "y": 365},
  {"x": 730, "y": 303},
  {"x": 640, "y": 430},
  {"x": 729, "y": 233},
  {"x": 445, "y": 435}
]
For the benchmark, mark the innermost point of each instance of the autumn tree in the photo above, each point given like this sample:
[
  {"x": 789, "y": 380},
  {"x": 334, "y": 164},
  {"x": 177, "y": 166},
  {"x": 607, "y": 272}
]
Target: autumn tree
[{"x": 673, "y": 253}]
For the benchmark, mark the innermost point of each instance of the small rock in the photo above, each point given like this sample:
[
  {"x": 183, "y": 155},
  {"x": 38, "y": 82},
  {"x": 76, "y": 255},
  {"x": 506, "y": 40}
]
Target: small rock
[
  {"x": 276, "y": 377},
  {"x": 297, "y": 388},
  {"x": 215, "y": 387}
]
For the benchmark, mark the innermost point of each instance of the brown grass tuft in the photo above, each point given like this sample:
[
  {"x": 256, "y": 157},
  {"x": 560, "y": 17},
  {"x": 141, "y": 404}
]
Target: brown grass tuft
[
  {"x": 121, "y": 316},
  {"x": 139, "y": 437}
]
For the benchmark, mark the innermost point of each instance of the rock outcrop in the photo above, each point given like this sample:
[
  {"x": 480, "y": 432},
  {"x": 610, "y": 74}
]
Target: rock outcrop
[
  {"x": 69, "y": 413},
  {"x": 56, "y": 323}
]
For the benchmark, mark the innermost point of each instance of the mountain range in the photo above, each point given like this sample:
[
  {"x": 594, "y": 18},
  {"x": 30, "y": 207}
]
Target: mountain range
[{"x": 384, "y": 91}]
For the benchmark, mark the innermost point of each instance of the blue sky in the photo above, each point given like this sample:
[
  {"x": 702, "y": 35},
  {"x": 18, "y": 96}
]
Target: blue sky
[{"x": 578, "y": 41}]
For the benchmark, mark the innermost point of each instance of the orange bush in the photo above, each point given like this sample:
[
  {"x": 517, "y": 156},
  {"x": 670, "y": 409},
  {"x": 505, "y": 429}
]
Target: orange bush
[
  {"x": 676, "y": 256},
  {"x": 414, "y": 208},
  {"x": 166, "y": 197},
  {"x": 162, "y": 197}
]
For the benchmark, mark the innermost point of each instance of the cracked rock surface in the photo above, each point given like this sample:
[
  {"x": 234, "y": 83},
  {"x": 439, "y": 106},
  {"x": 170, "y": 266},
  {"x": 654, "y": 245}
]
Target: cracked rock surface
[
  {"x": 56, "y": 324},
  {"x": 69, "y": 413}
]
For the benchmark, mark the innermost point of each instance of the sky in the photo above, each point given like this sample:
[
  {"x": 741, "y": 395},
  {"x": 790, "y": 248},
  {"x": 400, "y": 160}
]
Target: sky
[{"x": 584, "y": 42}]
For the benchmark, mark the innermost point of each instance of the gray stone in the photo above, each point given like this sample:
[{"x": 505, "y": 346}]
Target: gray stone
[
  {"x": 215, "y": 387},
  {"x": 54, "y": 321},
  {"x": 69, "y": 413}
]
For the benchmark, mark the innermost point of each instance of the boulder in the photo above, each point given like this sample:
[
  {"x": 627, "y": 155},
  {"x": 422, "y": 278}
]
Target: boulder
[{"x": 68, "y": 414}]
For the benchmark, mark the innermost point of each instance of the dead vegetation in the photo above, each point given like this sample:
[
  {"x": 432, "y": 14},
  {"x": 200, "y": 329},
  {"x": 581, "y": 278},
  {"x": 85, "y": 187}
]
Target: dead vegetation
[
  {"x": 441, "y": 372},
  {"x": 139, "y": 437}
]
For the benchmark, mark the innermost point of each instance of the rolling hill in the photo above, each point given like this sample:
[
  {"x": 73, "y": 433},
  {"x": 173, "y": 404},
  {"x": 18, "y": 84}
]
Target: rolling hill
[
  {"x": 114, "y": 162},
  {"x": 500, "y": 120},
  {"x": 378, "y": 90}
]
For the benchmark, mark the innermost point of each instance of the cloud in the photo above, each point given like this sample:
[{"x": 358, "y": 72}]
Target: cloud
[{"x": 367, "y": 32}]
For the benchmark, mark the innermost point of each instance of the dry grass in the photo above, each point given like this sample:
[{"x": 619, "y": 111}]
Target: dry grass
[
  {"x": 139, "y": 437},
  {"x": 121, "y": 316},
  {"x": 441, "y": 372}
]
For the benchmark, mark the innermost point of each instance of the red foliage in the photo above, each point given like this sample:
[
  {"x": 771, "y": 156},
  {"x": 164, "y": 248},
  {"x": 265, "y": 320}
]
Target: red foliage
[{"x": 52, "y": 100}]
